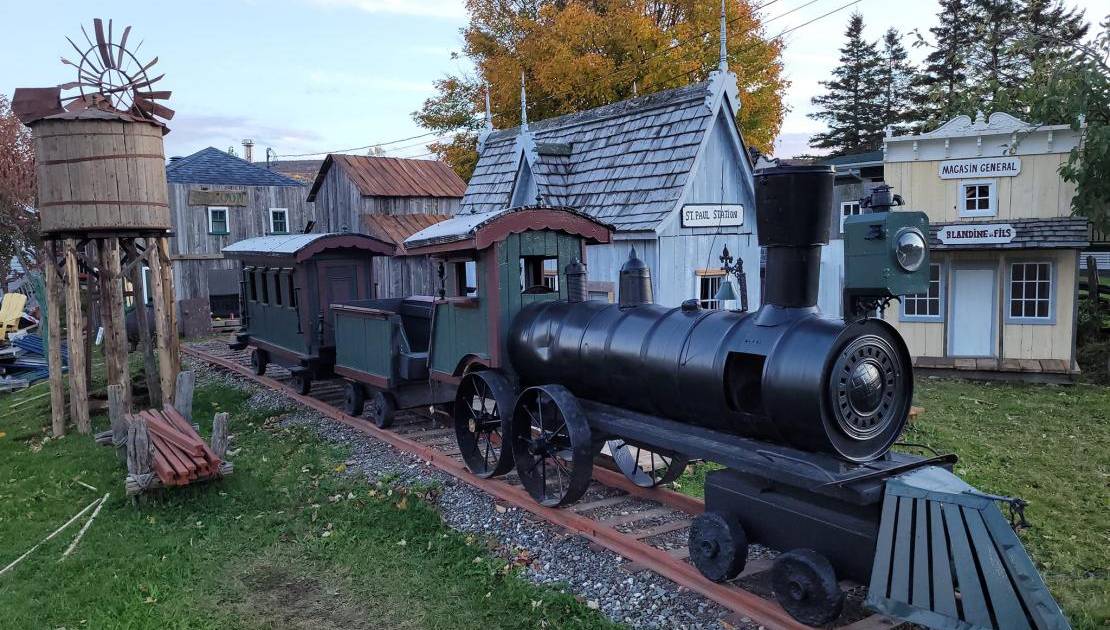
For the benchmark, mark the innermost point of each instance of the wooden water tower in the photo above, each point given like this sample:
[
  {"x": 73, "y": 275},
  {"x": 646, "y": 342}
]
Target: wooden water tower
[{"x": 104, "y": 217}]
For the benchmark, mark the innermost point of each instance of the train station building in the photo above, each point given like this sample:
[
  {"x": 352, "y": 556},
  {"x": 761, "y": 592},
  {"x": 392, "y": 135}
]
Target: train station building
[{"x": 1005, "y": 246}]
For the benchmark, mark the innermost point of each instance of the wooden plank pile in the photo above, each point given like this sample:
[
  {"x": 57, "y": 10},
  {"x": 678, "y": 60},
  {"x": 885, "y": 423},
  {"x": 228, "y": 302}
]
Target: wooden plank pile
[{"x": 180, "y": 457}]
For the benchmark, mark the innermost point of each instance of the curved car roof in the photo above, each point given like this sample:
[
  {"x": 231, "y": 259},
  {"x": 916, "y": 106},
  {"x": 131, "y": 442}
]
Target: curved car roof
[{"x": 304, "y": 246}]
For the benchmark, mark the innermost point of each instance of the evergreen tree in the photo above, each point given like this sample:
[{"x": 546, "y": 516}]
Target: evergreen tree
[
  {"x": 851, "y": 105},
  {"x": 994, "y": 70},
  {"x": 896, "y": 80},
  {"x": 943, "y": 83},
  {"x": 1048, "y": 34}
]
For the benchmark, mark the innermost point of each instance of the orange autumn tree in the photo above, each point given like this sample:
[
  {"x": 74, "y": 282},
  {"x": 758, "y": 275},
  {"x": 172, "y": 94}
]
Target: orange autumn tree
[{"x": 579, "y": 54}]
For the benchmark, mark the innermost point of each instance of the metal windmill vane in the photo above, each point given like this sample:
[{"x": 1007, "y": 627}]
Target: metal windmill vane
[{"x": 108, "y": 73}]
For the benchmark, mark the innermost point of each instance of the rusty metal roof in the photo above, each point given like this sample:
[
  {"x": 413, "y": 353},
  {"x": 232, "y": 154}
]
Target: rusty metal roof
[
  {"x": 393, "y": 177},
  {"x": 395, "y": 228}
]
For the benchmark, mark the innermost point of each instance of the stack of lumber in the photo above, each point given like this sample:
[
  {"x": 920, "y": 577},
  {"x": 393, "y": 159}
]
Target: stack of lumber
[{"x": 179, "y": 456}]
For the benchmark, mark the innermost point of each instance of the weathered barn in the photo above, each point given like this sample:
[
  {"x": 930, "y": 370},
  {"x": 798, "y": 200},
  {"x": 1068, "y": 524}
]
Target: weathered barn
[
  {"x": 390, "y": 198},
  {"x": 217, "y": 199},
  {"x": 668, "y": 170}
]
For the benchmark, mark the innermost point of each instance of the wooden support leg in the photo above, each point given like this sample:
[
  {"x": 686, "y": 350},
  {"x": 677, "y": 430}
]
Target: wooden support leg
[
  {"x": 183, "y": 394},
  {"x": 54, "y": 312},
  {"x": 114, "y": 317},
  {"x": 219, "y": 434},
  {"x": 162, "y": 322},
  {"x": 168, "y": 294},
  {"x": 75, "y": 322},
  {"x": 150, "y": 367},
  {"x": 111, "y": 365},
  {"x": 116, "y": 411},
  {"x": 92, "y": 310}
]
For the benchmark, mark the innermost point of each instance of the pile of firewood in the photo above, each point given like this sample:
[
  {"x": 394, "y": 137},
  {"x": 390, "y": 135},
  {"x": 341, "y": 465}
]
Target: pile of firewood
[{"x": 180, "y": 457}]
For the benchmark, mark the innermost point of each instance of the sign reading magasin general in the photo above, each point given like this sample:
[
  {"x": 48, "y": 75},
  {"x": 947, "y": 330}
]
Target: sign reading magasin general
[{"x": 980, "y": 167}]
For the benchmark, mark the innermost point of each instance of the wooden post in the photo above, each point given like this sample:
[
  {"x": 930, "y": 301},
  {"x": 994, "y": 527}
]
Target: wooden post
[
  {"x": 116, "y": 411},
  {"x": 92, "y": 312},
  {"x": 183, "y": 399},
  {"x": 150, "y": 367},
  {"x": 163, "y": 246},
  {"x": 1093, "y": 283},
  {"x": 54, "y": 312},
  {"x": 111, "y": 365},
  {"x": 78, "y": 386},
  {"x": 219, "y": 434},
  {"x": 162, "y": 323},
  {"x": 114, "y": 316}
]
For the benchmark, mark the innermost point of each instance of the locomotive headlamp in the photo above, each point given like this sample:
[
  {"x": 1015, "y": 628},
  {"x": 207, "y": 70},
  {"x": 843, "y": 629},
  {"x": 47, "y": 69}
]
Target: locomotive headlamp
[{"x": 910, "y": 249}]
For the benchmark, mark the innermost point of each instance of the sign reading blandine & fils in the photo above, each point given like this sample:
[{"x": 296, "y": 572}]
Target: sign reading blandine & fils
[
  {"x": 980, "y": 167},
  {"x": 711, "y": 215},
  {"x": 968, "y": 234}
]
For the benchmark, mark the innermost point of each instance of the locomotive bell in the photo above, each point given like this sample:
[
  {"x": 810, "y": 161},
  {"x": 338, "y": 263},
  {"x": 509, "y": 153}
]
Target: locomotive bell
[{"x": 635, "y": 282}]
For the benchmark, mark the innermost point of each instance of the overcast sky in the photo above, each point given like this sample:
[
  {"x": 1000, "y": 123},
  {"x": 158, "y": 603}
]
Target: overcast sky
[{"x": 326, "y": 75}]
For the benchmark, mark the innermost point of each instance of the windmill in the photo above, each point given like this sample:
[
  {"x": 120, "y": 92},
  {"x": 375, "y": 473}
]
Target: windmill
[{"x": 109, "y": 74}]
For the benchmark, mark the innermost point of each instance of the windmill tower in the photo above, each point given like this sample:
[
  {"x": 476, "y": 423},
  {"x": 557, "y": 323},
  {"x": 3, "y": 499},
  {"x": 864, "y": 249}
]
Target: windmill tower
[{"x": 104, "y": 217}]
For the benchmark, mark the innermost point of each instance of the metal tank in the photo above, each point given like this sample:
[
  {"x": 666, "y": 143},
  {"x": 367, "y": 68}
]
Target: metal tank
[{"x": 784, "y": 373}]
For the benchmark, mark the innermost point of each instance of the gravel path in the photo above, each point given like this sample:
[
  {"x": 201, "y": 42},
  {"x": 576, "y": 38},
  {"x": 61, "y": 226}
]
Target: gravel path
[{"x": 596, "y": 576}]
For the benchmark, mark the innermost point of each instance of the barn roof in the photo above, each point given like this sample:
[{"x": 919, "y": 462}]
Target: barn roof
[
  {"x": 395, "y": 228},
  {"x": 626, "y": 163},
  {"x": 302, "y": 246},
  {"x": 213, "y": 166},
  {"x": 393, "y": 177}
]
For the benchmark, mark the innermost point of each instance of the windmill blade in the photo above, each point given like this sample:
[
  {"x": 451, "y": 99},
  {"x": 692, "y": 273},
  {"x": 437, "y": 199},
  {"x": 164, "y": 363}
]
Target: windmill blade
[
  {"x": 162, "y": 95},
  {"x": 76, "y": 84},
  {"x": 147, "y": 83},
  {"x": 148, "y": 65},
  {"x": 80, "y": 53},
  {"x": 123, "y": 46},
  {"x": 87, "y": 38},
  {"x": 154, "y": 109},
  {"x": 98, "y": 28}
]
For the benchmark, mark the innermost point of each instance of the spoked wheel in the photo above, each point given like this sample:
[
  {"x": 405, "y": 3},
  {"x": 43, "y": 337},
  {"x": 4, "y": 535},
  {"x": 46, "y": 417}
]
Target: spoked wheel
[
  {"x": 381, "y": 407},
  {"x": 805, "y": 585},
  {"x": 551, "y": 444},
  {"x": 482, "y": 414},
  {"x": 302, "y": 382},
  {"x": 354, "y": 398},
  {"x": 645, "y": 468},
  {"x": 259, "y": 359},
  {"x": 718, "y": 546}
]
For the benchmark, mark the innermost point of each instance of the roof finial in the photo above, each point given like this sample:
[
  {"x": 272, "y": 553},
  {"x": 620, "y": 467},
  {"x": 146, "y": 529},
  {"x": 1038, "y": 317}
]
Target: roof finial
[
  {"x": 523, "y": 104},
  {"x": 489, "y": 114},
  {"x": 722, "y": 63}
]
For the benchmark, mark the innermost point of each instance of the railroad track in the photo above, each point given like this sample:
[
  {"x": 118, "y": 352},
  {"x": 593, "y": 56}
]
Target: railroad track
[{"x": 647, "y": 527}]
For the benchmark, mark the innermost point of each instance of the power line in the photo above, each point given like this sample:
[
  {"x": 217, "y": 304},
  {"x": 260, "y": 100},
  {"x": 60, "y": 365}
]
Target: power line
[{"x": 362, "y": 148}]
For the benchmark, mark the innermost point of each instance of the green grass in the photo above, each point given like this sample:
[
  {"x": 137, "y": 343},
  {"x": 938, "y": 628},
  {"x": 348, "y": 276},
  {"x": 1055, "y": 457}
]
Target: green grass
[
  {"x": 1049, "y": 445},
  {"x": 286, "y": 542}
]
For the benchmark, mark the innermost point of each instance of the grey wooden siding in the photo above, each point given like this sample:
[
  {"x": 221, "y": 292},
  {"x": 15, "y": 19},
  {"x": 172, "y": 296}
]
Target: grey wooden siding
[
  {"x": 341, "y": 205},
  {"x": 196, "y": 253}
]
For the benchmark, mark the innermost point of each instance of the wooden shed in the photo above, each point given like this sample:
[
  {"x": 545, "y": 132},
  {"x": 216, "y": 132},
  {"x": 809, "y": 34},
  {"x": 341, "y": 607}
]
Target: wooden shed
[
  {"x": 392, "y": 198},
  {"x": 287, "y": 286},
  {"x": 217, "y": 199}
]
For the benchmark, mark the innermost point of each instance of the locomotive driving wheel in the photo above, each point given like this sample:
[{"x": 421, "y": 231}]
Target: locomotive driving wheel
[
  {"x": 718, "y": 546},
  {"x": 805, "y": 585},
  {"x": 482, "y": 414},
  {"x": 381, "y": 407},
  {"x": 552, "y": 446},
  {"x": 645, "y": 468}
]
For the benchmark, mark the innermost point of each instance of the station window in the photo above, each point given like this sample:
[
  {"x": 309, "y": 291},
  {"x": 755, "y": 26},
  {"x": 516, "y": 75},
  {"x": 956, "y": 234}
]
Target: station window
[
  {"x": 292, "y": 291},
  {"x": 217, "y": 220},
  {"x": 279, "y": 220},
  {"x": 252, "y": 280},
  {"x": 466, "y": 278},
  {"x": 539, "y": 274},
  {"x": 264, "y": 280},
  {"x": 1031, "y": 290},
  {"x": 277, "y": 288},
  {"x": 709, "y": 282},
  {"x": 848, "y": 209},
  {"x": 925, "y": 305},
  {"x": 977, "y": 199}
]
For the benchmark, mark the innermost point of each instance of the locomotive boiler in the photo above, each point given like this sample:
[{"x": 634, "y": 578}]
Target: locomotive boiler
[{"x": 784, "y": 374}]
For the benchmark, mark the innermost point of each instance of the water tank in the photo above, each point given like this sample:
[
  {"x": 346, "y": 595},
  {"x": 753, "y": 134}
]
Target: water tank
[{"x": 100, "y": 171}]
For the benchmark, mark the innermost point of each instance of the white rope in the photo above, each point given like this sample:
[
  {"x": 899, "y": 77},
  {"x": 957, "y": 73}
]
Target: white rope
[
  {"x": 51, "y": 536},
  {"x": 81, "y": 533}
]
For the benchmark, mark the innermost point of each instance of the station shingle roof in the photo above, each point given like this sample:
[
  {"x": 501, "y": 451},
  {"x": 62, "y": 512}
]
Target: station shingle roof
[
  {"x": 626, "y": 163},
  {"x": 216, "y": 167}
]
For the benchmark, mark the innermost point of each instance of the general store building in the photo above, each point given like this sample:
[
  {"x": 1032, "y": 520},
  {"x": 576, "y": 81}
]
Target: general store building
[
  {"x": 1005, "y": 248},
  {"x": 668, "y": 171}
]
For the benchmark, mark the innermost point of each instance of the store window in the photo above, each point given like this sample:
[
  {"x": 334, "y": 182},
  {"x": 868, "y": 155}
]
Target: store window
[
  {"x": 977, "y": 199},
  {"x": 925, "y": 306},
  {"x": 848, "y": 209},
  {"x": 1031, "y": 291},
  {"x": 279, "y": 221},
  {"x": 708, "y": 285},
  {"x": 217, "y": 220}
]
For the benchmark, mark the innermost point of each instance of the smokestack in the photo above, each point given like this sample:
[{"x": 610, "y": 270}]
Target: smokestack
[
  {"x": 793, "y": 208},
  {"x": 248, "y": 149}
]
